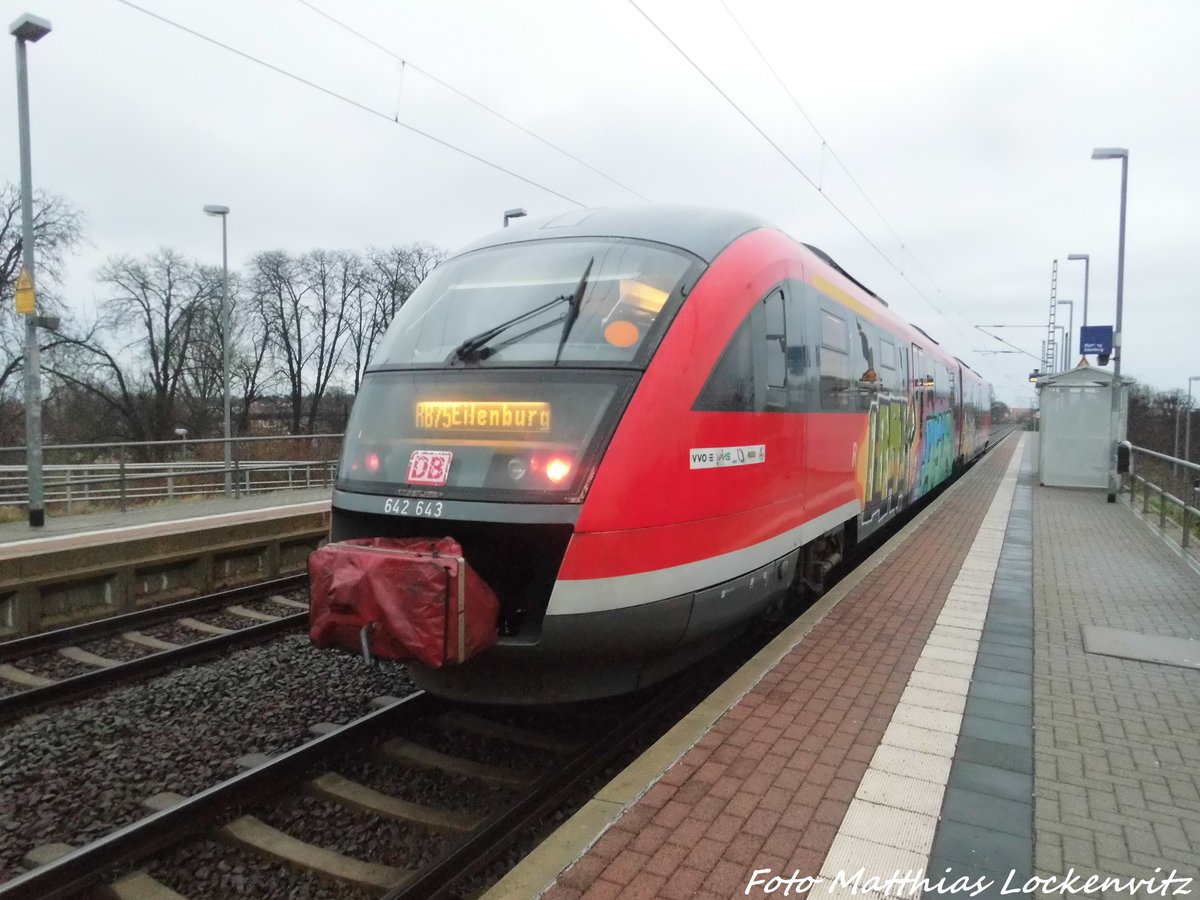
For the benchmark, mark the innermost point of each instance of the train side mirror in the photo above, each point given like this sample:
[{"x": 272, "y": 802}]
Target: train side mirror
[{"x": 1124, "y": 458}]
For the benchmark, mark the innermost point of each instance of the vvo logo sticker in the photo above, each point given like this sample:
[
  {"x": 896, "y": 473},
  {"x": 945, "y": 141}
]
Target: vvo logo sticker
[{"x": 720, "y": 457}]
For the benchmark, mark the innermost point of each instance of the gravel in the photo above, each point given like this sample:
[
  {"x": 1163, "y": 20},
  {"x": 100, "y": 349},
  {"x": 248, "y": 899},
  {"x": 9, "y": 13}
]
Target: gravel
[
  {"x": 175, "y": 633},
  {"x": 439, "y": 790},
  {"x": 226, "y": 620},
  {"x": 117, "y": 648},
  {"x": 206, "y": 870},
  {"x": 488, "y": 750},
  {"x": 77, "y": 773},
  {"x": 273, "y": 609},
  {"x": 355, "y": 834},
  {"x": 51, "y": 665}
]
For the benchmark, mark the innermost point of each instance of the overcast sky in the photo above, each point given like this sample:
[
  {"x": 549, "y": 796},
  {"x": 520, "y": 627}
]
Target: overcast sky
[{"x": 968, "y": 126}]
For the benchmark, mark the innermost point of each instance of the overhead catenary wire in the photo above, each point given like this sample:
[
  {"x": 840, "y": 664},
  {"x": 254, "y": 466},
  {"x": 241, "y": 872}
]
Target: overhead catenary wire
[
  {"x": 795, "y": 166},
  {"x": 479, "y": 103},
  {"x": 356, "y": 104},
  {"x": 1015, "y": 349},
  {"x": 826, "y": 146}
]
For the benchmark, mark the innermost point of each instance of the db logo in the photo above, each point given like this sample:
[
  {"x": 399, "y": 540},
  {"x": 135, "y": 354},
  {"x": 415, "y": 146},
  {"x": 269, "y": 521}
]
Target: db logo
[{"x": 429, "y": 467}]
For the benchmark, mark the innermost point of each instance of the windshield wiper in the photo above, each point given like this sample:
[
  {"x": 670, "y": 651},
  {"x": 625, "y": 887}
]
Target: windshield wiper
[
  {"x": 476, "y": 345},
  {"x": 573, "y": 310}
]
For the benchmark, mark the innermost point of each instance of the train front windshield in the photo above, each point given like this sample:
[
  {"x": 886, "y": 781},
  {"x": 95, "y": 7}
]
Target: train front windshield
[
  {"x": 504, "y": 371},
  {"x": 570, "y": 301}
]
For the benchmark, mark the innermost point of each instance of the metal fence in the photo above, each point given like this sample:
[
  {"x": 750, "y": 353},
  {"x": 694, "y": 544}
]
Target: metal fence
[
  {"x": 79, "y": 477},
  {"x": 1170, "y": 490}
]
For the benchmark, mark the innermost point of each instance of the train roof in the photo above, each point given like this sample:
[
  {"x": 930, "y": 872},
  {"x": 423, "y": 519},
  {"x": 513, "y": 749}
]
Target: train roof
[{"x": 702, "y": 232}]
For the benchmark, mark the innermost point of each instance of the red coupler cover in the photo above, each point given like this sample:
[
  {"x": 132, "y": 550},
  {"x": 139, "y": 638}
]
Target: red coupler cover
[{"x": 423, "y": 602}]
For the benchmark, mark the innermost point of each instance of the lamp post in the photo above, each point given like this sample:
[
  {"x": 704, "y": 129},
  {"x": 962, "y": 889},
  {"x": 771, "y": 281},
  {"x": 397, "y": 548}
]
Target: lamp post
[
  {"x": 223, "y": 212},
  {"x": 1087, "y": 265},
  {"x": 29, "y": 29},
  {"x": 1055, "y": 363},
  {"x": 517, "y": 213},
  {"x": 1067, "y": 351},
  {"x": 1114, "y": 425}
]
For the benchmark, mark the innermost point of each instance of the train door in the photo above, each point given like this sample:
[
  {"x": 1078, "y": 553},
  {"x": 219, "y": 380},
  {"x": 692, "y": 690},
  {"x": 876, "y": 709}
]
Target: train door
[
  {"x": 833, "y": 433},
  {"x": 891, "y": 405},
  {"x": 799, "y": 384},
  {"x": 867, "y": 364}
]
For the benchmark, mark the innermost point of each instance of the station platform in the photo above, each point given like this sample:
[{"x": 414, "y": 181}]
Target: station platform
[
  {"x": 160, "y": 518},
  {"x": 80, "y": 568},
  {"x": 1008, "y": 690}
]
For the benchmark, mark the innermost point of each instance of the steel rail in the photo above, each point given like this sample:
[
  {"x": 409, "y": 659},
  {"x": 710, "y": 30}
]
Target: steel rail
[
  {"x": 134, "y": 842},
  {"x": 22, "y": 703},
  {"x": 90, "y": 631},
  {"x": 494, "y": 836},
  {"x": 84, "y": 867}
]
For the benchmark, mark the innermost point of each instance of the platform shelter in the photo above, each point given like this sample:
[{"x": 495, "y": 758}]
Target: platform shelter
[{"x": 1076, "y": 435}]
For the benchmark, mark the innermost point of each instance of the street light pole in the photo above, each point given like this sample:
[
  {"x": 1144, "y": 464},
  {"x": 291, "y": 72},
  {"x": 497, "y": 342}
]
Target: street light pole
[
  {"x": 223, "y": 212},
  {"x": 1087, "y": 265},
  {"x": 1067, "y": 351},
  {"x": 1114, "y": 480},
  {"x": 29, "y": 29}
]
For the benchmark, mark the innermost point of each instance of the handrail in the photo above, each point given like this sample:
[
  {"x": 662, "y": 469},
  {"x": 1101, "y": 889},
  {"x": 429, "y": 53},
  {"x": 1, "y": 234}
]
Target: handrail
[
  {"x": 1174, "y": 460},
  {"x": 115, "y": 479},
  {"x": 1169, "y": 497},
  {"x": 248, "y": 439}
]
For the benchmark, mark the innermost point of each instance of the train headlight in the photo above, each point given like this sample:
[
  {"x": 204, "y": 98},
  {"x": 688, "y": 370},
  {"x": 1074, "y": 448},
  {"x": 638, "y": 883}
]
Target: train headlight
[{"x": 558, "y": 468}]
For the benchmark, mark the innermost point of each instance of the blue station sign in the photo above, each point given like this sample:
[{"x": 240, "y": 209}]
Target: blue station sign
[{"x": 1095, "y": 340}]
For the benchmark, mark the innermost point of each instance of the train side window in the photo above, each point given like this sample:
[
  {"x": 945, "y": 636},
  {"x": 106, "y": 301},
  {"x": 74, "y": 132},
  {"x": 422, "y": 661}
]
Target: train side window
[
  {"x": 887, "y": 364},
  {"x": 835, "y": 363},
  {"x": 751, "y": 375},
  {"x": 922, "y": 380},
  {"x": 799, "y": 354},
  {"x": 730, "y": 387},
  {"x": 775, "y": 336}
]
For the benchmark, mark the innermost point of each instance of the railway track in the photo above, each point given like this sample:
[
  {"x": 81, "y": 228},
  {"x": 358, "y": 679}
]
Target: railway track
[
  {"x": 242, "y": 811},
  {"x": 21, "y": 659},
  {"x": 466, "y": 842}
]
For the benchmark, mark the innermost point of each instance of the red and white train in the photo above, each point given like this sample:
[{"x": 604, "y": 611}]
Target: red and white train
[{"x": 644, "y": 426}]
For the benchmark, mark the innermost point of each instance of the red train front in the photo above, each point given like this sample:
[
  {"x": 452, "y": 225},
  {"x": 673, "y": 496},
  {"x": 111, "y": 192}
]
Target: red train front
[{"x": 643, "y": 427}]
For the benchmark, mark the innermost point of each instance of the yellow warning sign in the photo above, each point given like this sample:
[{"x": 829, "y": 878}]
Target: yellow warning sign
[{"x": 25, "y": 299}]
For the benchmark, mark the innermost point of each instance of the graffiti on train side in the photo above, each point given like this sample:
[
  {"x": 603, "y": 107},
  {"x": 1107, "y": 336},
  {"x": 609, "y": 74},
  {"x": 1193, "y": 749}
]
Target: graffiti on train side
[
  {"x": 904, "y": 459},
  {"x": 890, "y": 438},
  {"x": 937, "y": 451}
]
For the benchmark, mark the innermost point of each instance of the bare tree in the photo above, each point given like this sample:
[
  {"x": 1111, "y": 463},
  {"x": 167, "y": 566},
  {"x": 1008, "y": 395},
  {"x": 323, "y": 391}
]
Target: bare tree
[
  {"x": 389, "y": 277},
  {"x": 303, "y": 303},
  {"x": 248, "y": 370},
  {"x": 337, "y": 279},
  {"x": 57, "y": 230},
  {"x": 158, "y": 308}
]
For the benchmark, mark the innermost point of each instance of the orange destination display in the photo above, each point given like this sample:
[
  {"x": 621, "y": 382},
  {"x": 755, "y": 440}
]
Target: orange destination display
[{"x": 469, "y": 415}]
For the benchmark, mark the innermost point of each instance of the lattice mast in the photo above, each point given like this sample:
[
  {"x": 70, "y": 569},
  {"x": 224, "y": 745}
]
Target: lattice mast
[{"x": 1050, "y": 363}]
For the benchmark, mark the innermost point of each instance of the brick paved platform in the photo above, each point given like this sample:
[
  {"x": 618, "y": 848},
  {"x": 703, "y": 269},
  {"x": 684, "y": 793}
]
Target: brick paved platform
[
  {"x": 1117, "y": 751},
  {"x": 894, "y": 730}
]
